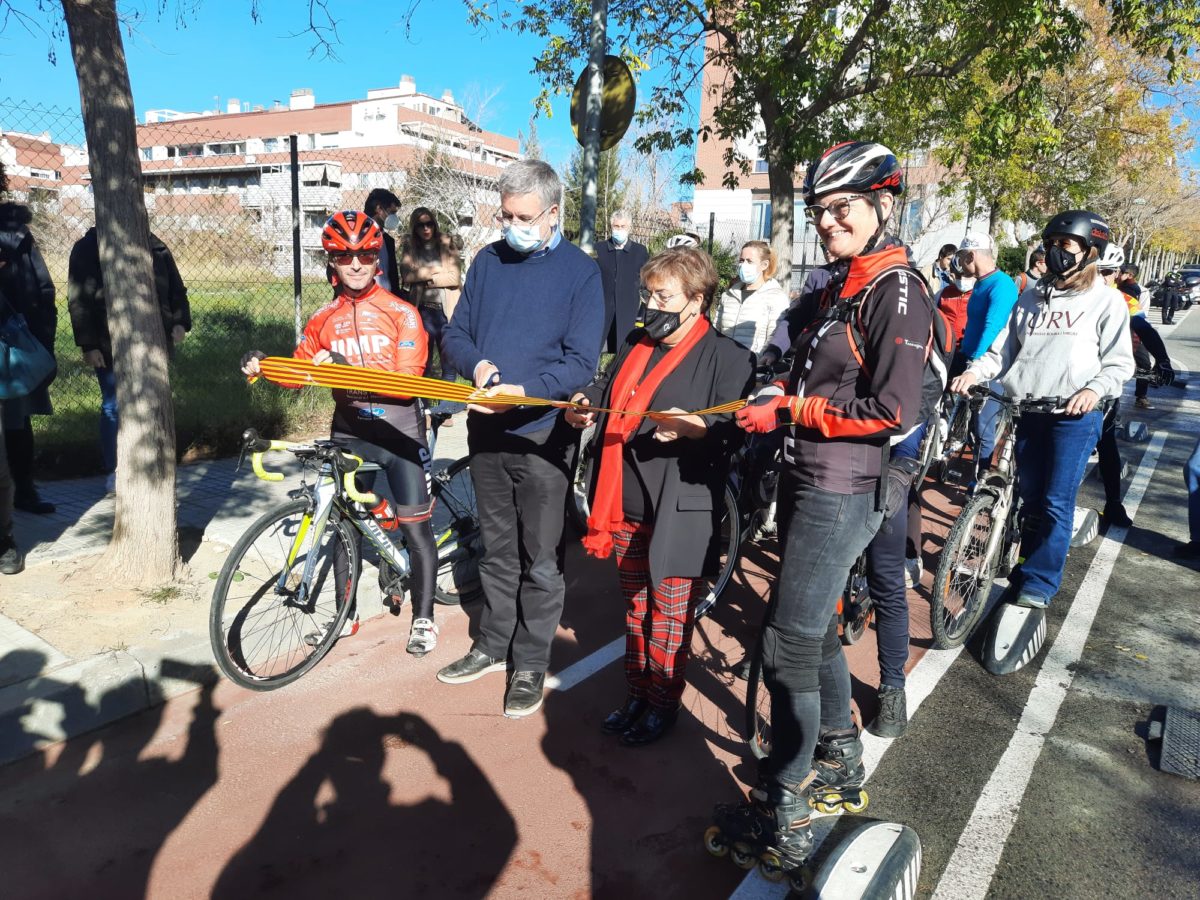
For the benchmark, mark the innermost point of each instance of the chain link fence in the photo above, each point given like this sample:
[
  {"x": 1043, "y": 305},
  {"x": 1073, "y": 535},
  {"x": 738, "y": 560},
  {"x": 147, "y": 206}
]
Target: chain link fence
[{"x": 242, "y": 214}]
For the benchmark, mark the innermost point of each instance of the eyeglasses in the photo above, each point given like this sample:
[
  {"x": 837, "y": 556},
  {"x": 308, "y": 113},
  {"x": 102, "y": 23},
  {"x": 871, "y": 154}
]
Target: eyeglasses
[
  {"x": 366, "y": 257},
  {"x": 425, "y": 224},
  {"x": 649, "y": 296},
  {"x": 507, "y": 218},
  {"x": 839, "y": 208}
]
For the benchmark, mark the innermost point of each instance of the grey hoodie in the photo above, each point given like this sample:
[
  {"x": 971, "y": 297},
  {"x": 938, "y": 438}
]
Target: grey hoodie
[{"x": 1057, "y": 342}]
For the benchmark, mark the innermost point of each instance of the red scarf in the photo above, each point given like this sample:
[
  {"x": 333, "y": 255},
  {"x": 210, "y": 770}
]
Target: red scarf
[{"x": 631, "y": 392}]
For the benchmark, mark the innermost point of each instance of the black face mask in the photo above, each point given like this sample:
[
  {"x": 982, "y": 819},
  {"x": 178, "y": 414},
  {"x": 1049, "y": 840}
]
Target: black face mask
[
  {"x": 1060, "y": 262},
  {"x": 658, "y": 323}
]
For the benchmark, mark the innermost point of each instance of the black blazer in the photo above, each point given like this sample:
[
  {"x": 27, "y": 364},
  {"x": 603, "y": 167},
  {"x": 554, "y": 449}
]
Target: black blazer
[
  {"x": 620, "y": 275},
  {"x": 689, "y": 502}
]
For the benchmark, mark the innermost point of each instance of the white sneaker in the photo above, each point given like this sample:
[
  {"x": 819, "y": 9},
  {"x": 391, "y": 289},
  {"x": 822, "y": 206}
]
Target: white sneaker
[
  {"x": 422, "y": 637},
  {"x": 349, "y": 629},
  {"x": 912, "y": 572}
]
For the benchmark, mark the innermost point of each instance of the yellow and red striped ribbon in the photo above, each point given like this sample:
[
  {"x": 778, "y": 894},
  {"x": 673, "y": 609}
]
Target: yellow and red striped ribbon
[{"x": 288, "y": 371}]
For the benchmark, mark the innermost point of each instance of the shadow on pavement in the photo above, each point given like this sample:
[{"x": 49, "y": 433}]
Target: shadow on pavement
[
  {"x": 68, "y": 824},
  {"x": 333, "y": 830}
]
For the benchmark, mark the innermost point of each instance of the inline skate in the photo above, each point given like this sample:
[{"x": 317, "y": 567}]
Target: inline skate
[
  {"x": 839, "y": 774},
  {"x": 770, "y": 829}
]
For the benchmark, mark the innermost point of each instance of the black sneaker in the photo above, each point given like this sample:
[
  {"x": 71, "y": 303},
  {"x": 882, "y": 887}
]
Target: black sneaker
[
  {"x": 12, "y": 560},
  {"x": 892, "y": 720},
  {"x": 29, "y": 501},
  {"x": 474, "y": 665},
  {"x": 524, "y": 694},
  {"x": 1116, "y": 516}
]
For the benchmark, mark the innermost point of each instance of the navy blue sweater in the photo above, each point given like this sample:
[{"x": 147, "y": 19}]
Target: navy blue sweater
[{"x": 537, "y": 317}]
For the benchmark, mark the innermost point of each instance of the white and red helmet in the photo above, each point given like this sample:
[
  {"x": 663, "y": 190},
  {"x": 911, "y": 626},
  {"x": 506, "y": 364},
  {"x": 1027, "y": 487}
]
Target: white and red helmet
[{"x": 859, "y": 166}]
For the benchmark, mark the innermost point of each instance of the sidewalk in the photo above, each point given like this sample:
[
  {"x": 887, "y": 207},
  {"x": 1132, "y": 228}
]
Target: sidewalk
[{"x": 49, "y": 693}]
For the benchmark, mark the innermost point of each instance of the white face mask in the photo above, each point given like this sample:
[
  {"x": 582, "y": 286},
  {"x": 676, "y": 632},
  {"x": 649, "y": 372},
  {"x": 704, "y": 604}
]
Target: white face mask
[
  {"x": 620, "y": 236},
  {"x": 748, "y": 272},
  {"x": 391, "y": 223}
]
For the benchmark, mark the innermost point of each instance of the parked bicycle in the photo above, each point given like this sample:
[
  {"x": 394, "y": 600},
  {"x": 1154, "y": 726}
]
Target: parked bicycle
[
  {"x": 289, "y": 583},
  {"x": 985, "y": 539}
]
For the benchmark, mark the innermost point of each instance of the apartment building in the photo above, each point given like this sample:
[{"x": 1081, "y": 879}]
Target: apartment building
[{"x": 201, "y": 168}]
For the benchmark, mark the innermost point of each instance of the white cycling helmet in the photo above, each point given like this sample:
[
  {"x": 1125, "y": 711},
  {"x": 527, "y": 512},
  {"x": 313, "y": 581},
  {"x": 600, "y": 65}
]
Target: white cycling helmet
[
  {"x": 687, "y": 239},
  {"x": 1112, "y": 258}
]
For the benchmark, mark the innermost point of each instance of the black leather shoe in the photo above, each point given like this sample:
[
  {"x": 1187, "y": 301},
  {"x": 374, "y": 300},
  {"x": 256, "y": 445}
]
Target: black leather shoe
[
  {"x": 621, "y": 719},
  {"x": 653, "y": 725},
  {"x": 29, "y": 501},
  {"x": 524, "y": 694},
  {"x": 474, "y": 665}
]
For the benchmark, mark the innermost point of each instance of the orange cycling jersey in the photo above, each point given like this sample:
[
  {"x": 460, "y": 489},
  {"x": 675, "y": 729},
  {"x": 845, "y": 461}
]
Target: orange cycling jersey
[{"x": 377, "y": 330}]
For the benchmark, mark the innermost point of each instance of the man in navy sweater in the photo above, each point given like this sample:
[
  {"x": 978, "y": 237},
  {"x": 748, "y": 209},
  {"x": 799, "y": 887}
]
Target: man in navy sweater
[{"x": 528, "y": 323}]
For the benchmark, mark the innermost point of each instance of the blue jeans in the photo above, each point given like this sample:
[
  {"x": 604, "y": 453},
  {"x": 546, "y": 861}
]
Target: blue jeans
[
  {"x": 804, "y": 668},
  {"x": 1052, "y": 455},
  {"x": 984, "y": 427},
  {"x": 108, "y": 418},
  {"x": 885, "y": 577},
  {"x": 435, "y": 323},
  {"x": 1191, "y": 477}
]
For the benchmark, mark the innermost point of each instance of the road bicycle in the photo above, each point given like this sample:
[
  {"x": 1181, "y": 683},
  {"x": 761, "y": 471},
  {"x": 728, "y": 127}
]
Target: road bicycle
[
  {"x": 984, "y": 542},
  {"x": 289, "y": 584}
]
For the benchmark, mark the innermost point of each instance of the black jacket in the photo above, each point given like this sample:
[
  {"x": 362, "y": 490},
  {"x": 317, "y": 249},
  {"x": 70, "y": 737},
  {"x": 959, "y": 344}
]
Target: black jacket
[
  {"x": 687, "y": 503},
  {"x": 393, "y": 269},
  {"x": 25, "y": 281},
  {"x": 620, "y": 272},
  {"x": 86, "y": 300}
]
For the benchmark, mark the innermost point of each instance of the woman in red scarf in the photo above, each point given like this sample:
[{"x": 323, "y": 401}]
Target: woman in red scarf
[{"x": 657, "y": 486}]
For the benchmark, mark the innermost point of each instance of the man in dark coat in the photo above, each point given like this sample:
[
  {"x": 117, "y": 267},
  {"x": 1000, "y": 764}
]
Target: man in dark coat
[
  {"x": 89, "y": 322},
  {"x": 26, "y": 284},
  {"x": 620, "y": 261},
  {"x": 384, "y": 207}
]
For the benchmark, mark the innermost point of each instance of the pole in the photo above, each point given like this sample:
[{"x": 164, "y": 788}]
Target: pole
[
  {"x": 712, "y": 227},
  {"x": 294, "y": 148},
  {"x": 591, "y": 125}
]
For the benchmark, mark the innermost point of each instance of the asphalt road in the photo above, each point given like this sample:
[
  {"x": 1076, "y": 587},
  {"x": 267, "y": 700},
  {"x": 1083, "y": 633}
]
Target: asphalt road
[{"x": 370, "y": 778}]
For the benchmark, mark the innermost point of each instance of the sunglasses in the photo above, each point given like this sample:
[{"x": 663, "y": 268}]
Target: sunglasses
[
  {"x": 839, "y": 208},
  {"x": 425, "y": 224},
  {"x": 366, "y": 257}
]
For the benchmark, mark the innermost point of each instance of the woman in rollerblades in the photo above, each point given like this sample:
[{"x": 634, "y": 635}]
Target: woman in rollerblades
[{"x": 855, "y": 383}]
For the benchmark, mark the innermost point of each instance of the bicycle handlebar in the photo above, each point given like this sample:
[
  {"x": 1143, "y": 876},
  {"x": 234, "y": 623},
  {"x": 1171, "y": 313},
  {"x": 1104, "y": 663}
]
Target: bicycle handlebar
[
  {"x": 346, "y": 463},
  {"x": 1028, "y": 403}
]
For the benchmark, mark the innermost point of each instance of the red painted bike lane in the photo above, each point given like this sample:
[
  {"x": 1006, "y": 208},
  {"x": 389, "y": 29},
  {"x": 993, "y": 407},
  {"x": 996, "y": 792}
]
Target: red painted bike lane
[{"x": 370, "y": 777}]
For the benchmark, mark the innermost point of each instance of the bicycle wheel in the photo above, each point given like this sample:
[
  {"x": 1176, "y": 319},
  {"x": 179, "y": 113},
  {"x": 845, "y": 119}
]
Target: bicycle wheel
[
  {"x": 269, "y": 625},
  {"x": 758, "y": 707},
  {"x": 730, "y": 540},
  {"x": 856, "y": 603},
  {"x": 457, "y": 533},
  {"x": 964, "y": 575},
  {"x": 578, "y": 508}
]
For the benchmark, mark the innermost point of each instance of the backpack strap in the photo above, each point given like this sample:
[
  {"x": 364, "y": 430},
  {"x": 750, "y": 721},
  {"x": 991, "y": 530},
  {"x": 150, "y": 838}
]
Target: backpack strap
[{"x": 856, "y": 334}]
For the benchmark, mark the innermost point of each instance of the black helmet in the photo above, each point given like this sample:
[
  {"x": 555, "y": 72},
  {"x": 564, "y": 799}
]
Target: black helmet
[
  {"x": 1089, "y": 228},
  {"x": 1130, "y": 269},
  {"x": 853, "y": 166}
]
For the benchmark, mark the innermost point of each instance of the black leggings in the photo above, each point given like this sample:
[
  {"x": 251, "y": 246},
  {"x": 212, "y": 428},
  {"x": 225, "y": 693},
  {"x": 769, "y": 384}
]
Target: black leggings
[{"x": 404, "y": 460}]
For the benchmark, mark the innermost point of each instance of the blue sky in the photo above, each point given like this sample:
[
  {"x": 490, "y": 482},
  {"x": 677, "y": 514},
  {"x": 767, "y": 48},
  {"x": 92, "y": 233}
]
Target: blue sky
[{"x": 221, "y": 53}]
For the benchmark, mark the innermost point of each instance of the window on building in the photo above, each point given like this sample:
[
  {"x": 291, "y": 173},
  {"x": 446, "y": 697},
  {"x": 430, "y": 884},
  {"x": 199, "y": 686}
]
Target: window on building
[
  {"x": 910, "y": 228},
  {"x": 185, "y": 150},
  {"x": 760, "y": 164},
  {"x": 271, "y": 145},
  {"x": 227, "y": 148},
  {"x": 760, "y": 221},
  {"x": 147, "y": 153}
]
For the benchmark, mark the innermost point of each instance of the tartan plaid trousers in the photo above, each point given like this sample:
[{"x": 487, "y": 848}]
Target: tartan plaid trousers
[{"x": 658, "y": 622}]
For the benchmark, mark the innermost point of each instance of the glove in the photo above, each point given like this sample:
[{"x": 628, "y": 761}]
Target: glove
[
  {"x": 1166, "y": 375},
  {"x": 900, "y": 476},
  {"x": 761, "y": 414}
]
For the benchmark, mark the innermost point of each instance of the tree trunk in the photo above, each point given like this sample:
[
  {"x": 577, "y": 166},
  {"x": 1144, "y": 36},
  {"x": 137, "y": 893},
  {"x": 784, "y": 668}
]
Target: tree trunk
[
  {"x": 993, "y": 220},
  {"x": 781, "y": 173},
  {"x": 145, "y": 546}
]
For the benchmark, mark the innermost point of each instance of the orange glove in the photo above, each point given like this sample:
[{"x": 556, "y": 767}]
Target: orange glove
[{"x": 761, "y": 414}]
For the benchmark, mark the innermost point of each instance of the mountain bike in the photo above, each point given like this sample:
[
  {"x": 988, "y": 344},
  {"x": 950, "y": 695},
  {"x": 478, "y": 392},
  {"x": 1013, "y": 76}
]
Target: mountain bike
[
  {"x": 289, "y": 584},
  {"x": 985, "y": 539}
]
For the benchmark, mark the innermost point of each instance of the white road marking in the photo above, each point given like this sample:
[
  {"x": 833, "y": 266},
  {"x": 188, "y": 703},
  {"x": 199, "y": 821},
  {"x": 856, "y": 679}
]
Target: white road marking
[
  {"x": 587, "y": 667},
  {"x": 919, "y": 685},
  {"x": 974, "y": 861}
]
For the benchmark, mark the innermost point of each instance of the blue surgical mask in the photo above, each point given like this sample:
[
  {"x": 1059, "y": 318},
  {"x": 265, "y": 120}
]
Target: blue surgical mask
[
  {"x": 619, "y": 236},
  {"x": 748, "y": 272},
  {"x": 523, "y": 238}
]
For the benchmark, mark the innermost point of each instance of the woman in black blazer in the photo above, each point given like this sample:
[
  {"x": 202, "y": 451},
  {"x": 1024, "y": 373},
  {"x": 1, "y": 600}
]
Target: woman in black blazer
[{"x": 658, "y": 479}]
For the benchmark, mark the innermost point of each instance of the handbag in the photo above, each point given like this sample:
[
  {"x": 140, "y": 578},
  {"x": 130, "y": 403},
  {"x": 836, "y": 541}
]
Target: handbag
[{"x": 24, "y": 362}]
